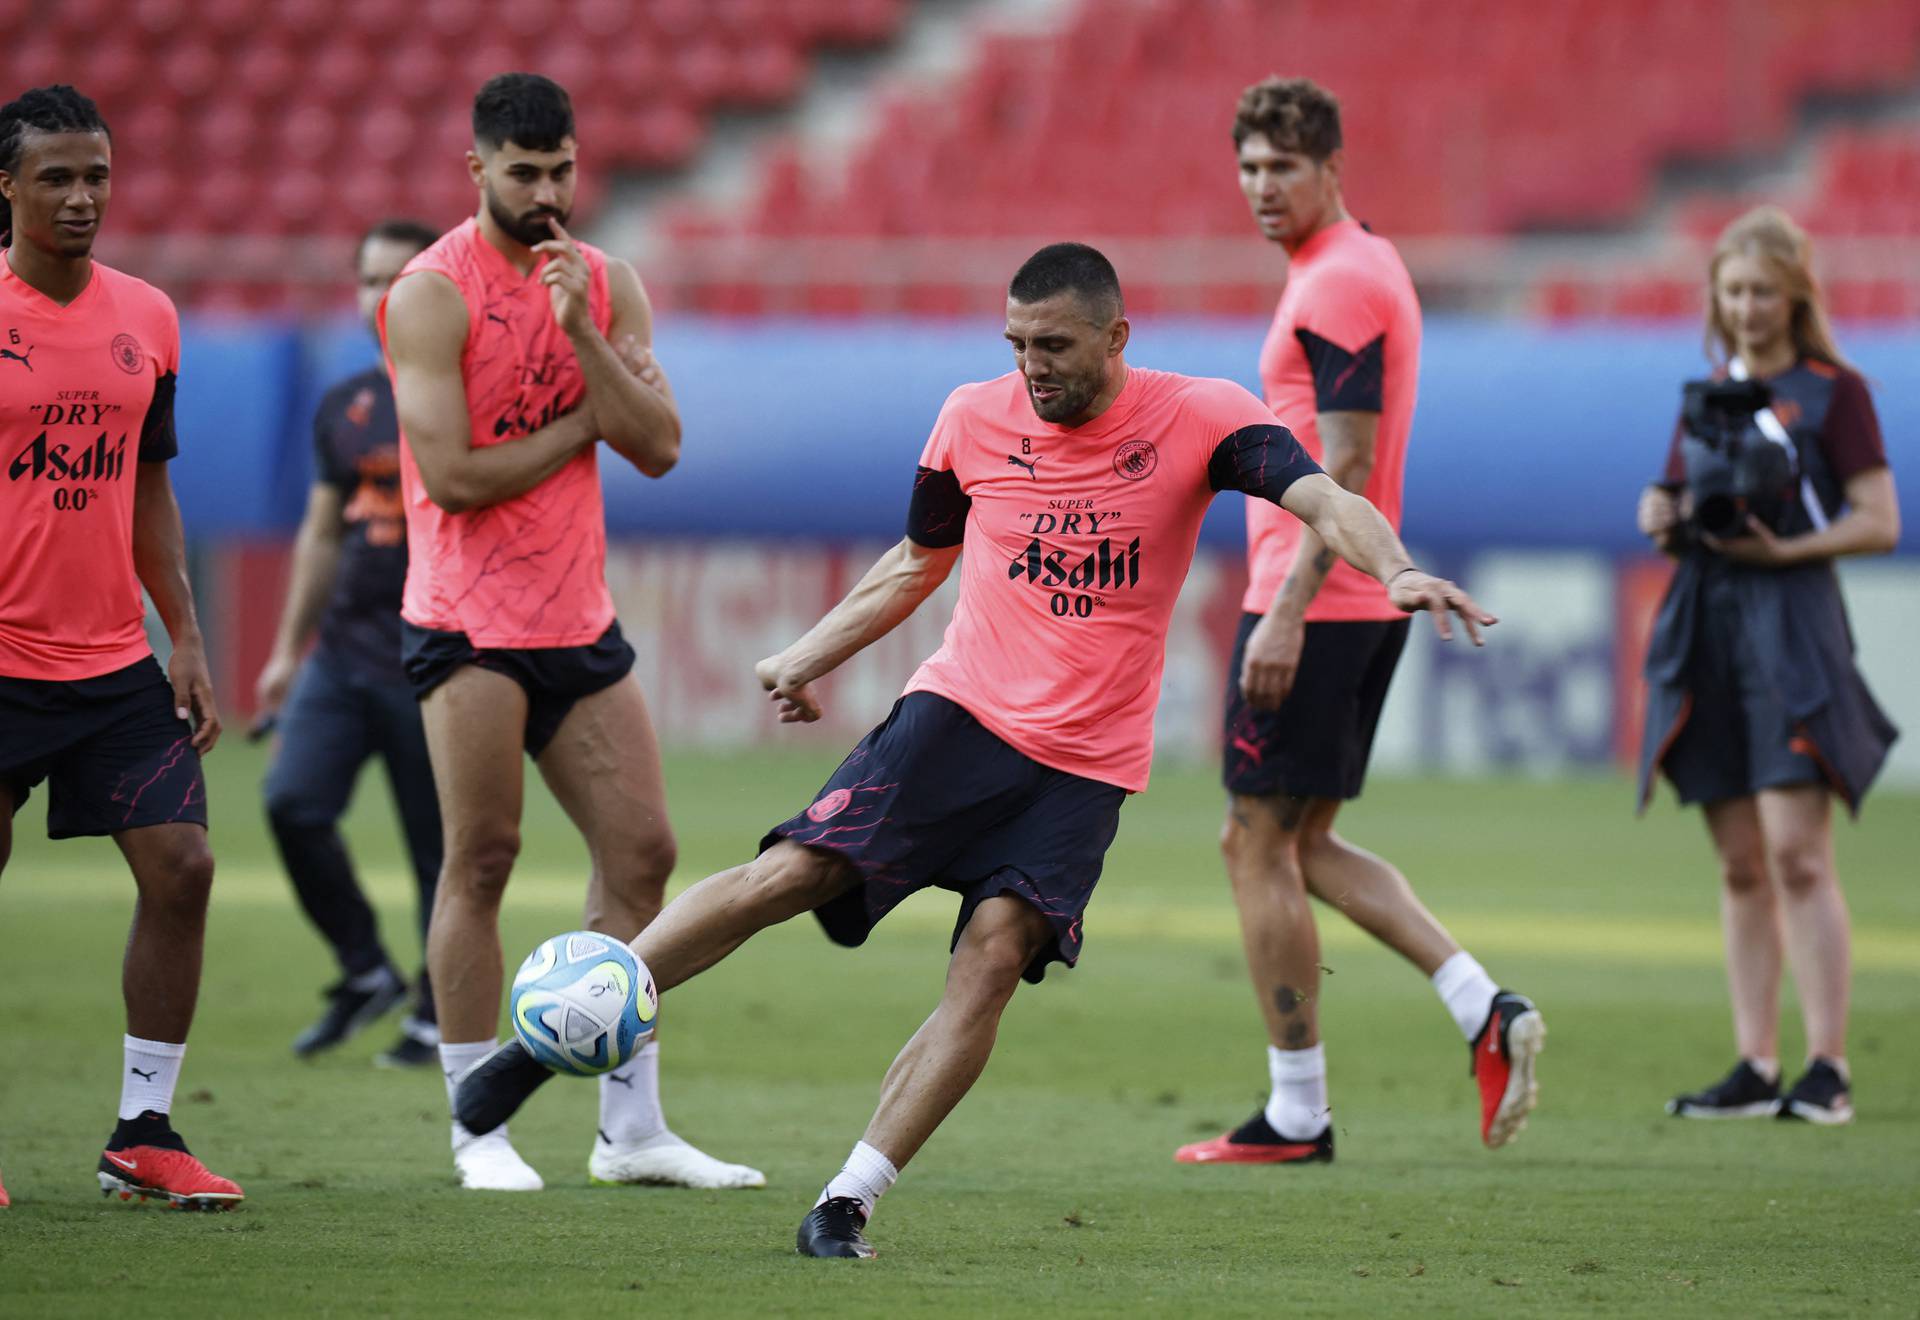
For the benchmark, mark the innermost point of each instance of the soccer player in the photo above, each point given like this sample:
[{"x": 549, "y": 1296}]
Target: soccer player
[
  {"x": 88, "y": 358},
  {"x": 1076, "y": 487},
  {"x": 1317, "y": 648},
  {"x": 501, "y": 339},
  {"x": 352, "y": 701}
]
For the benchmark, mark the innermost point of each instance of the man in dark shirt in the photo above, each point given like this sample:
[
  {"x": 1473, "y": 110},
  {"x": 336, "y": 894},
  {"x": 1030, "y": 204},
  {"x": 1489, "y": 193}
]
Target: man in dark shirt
[{"x": 351, "y": 700}]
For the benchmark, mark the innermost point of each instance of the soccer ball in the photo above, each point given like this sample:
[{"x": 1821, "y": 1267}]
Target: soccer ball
[{"x": 582, "y": 1003}]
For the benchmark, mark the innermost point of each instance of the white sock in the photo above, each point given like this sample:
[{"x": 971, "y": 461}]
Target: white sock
[
  {"x": 630, "y": 1101},
  {"x": 865, "y": 1177},
  {"x": 1298, "y": 1108},
  {"x": 456, "y": 1061},
  {"x": 1768, "y": 1068},
  {"x": 1465, "y": 988},
  {"x": 153, "y": 1068}
]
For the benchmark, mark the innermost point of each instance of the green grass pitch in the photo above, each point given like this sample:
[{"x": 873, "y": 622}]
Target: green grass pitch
[{"x": 1052, "y": 1189}]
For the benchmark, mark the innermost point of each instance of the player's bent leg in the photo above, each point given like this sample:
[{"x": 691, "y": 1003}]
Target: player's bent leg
[
  {"x": 695, "y": 931},
  {"x": 1370, "y": 890},
  {"x": 603, "y": 765},
  {"x": 931, "y": 1074},
  {"x": 173, "y": 869}
]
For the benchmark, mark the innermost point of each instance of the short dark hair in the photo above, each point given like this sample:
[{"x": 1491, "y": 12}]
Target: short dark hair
[
  {"x": 1295, "y": 114},
  {"x": 414, "y": 233},
  {"x": 1060, "y": 267},
  {"x": 525, "y": 109},
  {"x": 55, "y": 109}
]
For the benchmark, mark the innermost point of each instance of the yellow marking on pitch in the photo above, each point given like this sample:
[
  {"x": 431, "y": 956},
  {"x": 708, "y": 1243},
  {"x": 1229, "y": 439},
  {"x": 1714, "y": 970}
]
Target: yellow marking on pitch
[{"x": 1601, "y": 938}]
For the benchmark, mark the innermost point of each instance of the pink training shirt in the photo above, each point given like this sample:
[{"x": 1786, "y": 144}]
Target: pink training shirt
[
  {"x": 1076, "y": 541},
  {"x": 1345, "y": 338},
  {"x": 86, "y": 395},
  {"x": 529, "y": 571}
]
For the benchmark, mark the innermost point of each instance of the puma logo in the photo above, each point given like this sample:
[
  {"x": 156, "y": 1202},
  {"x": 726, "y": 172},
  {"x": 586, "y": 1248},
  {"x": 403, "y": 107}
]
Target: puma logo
[
  {"x": 21, "y": 358},
  {"x": 1020, "y": 462},
  {"x": 1251, "y": 750},
  {"x": 147, "y": 1075},
  {"x": 626, "y": 1081},
  {"x": 501, "y": 319}
]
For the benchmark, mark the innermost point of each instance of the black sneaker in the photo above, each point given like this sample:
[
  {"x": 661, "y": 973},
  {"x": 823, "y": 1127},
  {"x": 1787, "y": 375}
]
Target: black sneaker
[
  {"x": 418, "y": 1046},
  {"x": 832, "y": 1228},
  {"x": 498, "y": 1085},
  {"x": 349, "y": 1008},
  {"x": 1742, "y": 1093},
  {"x": 1820, "y": 1096}
]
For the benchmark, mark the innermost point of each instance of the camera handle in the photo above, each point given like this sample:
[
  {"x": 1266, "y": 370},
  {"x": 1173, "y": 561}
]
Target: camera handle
[{"x": 1770, "y": 426}]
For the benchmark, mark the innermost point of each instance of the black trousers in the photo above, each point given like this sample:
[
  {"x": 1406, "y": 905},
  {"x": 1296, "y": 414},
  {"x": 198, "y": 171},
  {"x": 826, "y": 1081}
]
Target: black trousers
[{"x": 335, "y": 720}]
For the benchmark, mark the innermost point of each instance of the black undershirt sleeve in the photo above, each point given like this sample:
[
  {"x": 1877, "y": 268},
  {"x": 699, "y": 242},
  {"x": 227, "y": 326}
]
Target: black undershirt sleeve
[
  {"x": 1343, "y": 381},
  {"x": 157, "y": 440},
  {"x": 1259, "y": 460},
  {"x": 937, "y": 515}
]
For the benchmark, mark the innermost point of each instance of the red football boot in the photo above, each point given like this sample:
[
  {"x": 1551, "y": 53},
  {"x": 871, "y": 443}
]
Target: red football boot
[
  {"x": 1255, "y": 1142},
  {"x": 157, "y": 1163},
  {"x": 4, "y": 1202},
  {"x": 1503, "y": 1060}
]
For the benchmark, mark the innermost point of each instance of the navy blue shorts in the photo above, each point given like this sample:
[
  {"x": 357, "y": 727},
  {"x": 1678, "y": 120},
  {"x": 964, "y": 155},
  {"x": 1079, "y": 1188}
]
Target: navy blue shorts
[
  {"x": 931, "y": 798},
  {"x": 553, "y": 677},
  {"x": 1316, "y": 745},
  {"x": 114, "y": 754}
]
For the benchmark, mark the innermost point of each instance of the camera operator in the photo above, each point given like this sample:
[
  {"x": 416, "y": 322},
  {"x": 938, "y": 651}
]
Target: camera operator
[{"x": 1755, "y": 708}]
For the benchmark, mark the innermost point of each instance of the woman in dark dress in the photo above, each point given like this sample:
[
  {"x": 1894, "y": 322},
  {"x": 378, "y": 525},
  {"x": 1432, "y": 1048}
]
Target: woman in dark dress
[{"x": 1756, "y": 709}]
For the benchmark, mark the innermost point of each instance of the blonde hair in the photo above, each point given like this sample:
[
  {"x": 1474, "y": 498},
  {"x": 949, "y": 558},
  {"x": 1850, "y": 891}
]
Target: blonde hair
[{"x": 1769, "y": 235}]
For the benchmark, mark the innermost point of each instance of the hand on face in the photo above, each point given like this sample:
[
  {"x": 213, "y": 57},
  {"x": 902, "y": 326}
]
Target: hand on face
[{"x": 568, "y": 280}]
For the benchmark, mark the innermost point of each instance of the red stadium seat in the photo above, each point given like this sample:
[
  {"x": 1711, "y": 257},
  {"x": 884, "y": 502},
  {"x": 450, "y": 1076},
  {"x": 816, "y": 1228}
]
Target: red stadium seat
[{"x": 1477, "y": 117}]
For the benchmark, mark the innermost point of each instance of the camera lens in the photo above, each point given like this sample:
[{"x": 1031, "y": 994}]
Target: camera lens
[{"x": 1719, "y": 515}]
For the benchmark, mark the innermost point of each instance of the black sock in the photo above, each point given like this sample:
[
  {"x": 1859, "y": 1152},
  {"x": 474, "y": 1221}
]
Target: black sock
[{"x": 151, "y": 1128}]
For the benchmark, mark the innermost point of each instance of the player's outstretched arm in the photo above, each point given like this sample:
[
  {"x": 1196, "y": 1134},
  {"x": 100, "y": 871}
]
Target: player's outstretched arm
[
  {"x": 160, "y": 560},
  {"x": 629, "y": 395},
  {"x": 891, "y": 590},
  {"x": 1354, "y": 529},
  {"x": 426, "y": 329}
]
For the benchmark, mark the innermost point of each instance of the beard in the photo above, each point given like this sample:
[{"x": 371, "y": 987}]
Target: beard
[
  {"x": 1075, "y": 397},
  {"x": 526, "y": 229}
]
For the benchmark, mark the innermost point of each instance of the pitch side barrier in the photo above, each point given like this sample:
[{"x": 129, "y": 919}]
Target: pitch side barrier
[{"x": 1525, "y": 435}]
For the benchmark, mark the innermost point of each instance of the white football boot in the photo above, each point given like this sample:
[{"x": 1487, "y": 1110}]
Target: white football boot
[
  {"x": 489, "y": 1163},
  {"x": 666, "y": 1161}
]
